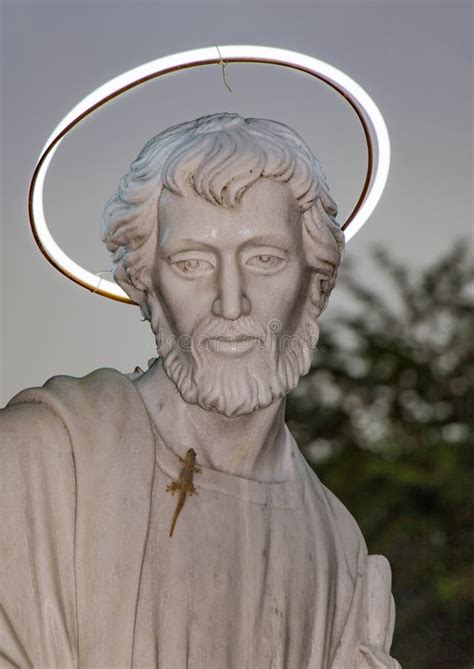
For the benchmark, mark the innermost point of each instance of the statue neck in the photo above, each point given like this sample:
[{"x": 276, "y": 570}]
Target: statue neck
[{"x": 251, "y": 446}]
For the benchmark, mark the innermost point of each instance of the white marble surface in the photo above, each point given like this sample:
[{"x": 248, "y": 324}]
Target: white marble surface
[{"x": 225, "y": 234}]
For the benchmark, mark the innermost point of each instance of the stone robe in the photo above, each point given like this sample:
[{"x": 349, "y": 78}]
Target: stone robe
[{"x": 256, "y": 574}]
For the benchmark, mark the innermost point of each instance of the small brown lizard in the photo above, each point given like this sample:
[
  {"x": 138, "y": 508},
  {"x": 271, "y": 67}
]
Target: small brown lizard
[{"x": 184, "y": 484}]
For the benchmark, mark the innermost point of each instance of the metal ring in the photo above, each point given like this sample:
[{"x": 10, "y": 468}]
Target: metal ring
[{"x": 375, "y": 132}]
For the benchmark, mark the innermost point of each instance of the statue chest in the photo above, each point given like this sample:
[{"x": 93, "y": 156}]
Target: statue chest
[{"x": 247, "y": 579}]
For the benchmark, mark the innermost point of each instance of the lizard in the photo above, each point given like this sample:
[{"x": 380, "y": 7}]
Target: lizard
[{"x": 184, "y": 484}]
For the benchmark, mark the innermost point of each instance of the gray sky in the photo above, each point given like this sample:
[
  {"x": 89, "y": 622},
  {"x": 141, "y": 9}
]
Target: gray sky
[{"x": 414, "y": 58}]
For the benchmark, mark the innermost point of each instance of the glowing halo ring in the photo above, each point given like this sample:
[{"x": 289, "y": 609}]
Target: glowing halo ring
[{"x": 375, "y": 131}]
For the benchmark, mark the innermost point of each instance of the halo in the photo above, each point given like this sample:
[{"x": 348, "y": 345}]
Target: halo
[{"x": 375, "y": 132}]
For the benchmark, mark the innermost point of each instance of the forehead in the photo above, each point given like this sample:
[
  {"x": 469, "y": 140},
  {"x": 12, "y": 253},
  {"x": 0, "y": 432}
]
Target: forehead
[{"x": 267, "y": 213}]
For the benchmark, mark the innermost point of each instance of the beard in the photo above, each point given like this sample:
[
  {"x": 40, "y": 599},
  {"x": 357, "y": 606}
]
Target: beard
[{"x": 207, "y": 372}]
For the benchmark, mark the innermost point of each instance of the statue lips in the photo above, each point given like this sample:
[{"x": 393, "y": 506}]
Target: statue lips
[{"x": 232, "y": 345}]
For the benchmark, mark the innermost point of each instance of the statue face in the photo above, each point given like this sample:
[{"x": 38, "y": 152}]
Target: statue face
[{"x": 234, "y": 284}]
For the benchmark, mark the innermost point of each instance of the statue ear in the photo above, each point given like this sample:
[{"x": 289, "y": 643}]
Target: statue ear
[{"x": 320, "y": 289}]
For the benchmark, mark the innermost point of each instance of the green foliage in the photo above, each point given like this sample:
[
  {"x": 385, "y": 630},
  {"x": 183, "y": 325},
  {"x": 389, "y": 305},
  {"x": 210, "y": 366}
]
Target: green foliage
[{"x": 385, "y": 419}]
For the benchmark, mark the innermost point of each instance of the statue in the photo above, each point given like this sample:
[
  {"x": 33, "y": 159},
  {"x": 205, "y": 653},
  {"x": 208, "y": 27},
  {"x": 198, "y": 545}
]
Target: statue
[{"x": 167, "y": 518}]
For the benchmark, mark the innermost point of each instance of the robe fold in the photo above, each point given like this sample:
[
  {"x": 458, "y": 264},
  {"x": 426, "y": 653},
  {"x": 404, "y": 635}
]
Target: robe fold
[{"x": 85, "y": 556}]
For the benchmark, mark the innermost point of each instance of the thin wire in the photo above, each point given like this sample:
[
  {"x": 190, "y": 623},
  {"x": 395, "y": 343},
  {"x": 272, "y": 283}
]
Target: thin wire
[
  {"x": 99, "y": 274},
  {"x": 223, "y": 65}
]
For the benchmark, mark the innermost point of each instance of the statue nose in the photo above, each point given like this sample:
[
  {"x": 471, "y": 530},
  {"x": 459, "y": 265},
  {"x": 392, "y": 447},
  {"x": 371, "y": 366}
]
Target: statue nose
[
  {"x": 231, "y": 302},
  {"x": 231, "y": 309}
]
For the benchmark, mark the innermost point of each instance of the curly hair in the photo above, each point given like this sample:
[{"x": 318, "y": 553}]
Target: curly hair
[{"x": 220, "y": 156}]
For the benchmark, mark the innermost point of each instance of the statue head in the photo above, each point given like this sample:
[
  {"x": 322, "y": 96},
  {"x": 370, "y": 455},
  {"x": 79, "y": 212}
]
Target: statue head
[{"x": 225, "y": 235}]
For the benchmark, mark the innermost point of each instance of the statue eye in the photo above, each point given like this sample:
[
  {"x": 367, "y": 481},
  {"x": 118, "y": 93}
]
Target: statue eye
[
  {"x": 265, "y": 262},
  {"x": 193, "y": 266}
]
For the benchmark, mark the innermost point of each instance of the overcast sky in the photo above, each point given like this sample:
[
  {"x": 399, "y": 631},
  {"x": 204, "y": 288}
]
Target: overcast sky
[{"x": 414, "y": 58}]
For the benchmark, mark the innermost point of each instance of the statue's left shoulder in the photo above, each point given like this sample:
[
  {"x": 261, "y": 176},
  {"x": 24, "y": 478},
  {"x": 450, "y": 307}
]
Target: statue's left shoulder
[{"x": 348, "y": 532}]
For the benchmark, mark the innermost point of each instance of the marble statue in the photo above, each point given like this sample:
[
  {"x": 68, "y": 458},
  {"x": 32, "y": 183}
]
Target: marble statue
[{"x": 167, "y": 518}]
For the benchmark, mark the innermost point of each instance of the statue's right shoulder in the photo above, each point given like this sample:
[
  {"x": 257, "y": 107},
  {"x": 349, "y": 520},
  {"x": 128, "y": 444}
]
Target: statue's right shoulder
[
  {"x": 35, "y": 454},
  {"x": 44, "y": 414},
  {"x": 83, "y": 427},
  {"x": 62, "y": 389}
]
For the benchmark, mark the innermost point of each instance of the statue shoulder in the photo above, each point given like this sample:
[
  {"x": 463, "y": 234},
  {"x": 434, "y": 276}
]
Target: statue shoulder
[
  {"x": 59, "y": 390},
  {"x": 348, "y": 531},
  {"x": 47, "y": 414},
  {"x": 36, "y": 457},
  {"x": 75, "y": 427},
  {"x": 341, "y": 512}
]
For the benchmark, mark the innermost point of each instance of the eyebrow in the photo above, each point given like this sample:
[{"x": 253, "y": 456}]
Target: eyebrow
[
  {"x": 175, "y": 245},
  {"x": 273, "y": 239}
]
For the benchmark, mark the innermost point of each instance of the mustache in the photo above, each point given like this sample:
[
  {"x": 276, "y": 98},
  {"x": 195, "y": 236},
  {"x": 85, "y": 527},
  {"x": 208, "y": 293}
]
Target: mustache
[{"x": 213, "y": 327}]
